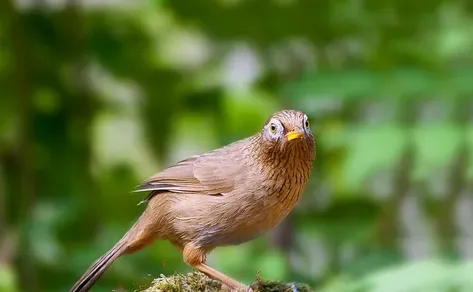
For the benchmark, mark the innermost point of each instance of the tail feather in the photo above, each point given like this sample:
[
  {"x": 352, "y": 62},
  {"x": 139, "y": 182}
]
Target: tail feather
[{"x": 98, "y": 268}]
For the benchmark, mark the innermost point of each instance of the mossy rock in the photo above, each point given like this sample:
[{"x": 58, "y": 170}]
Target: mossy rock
[{"x": 198, "y": 282}]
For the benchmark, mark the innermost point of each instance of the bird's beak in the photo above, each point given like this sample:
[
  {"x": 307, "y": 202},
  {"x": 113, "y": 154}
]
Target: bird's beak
[{"x": 294, "y": 135}]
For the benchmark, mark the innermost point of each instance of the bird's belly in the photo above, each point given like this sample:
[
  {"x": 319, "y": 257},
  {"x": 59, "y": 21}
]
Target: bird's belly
[
  {"x": 215, "y": 239},
  {"x": 242, "y": 226},
  {"x": 215, "y": 222}
]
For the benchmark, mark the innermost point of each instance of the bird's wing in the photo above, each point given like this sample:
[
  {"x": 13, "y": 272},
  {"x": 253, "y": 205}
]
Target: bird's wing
[{"x": 212, "y": 173}]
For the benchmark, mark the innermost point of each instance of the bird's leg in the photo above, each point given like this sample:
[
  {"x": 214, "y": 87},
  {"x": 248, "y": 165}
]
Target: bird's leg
[
  {"x": 226, "y": 280},
  {"x": 196, "y": 258},
  {"x": 181, "y": 249}
]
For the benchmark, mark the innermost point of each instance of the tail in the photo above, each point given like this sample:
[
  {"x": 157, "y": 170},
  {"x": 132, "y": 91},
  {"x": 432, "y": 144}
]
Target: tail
[
  {"x": 98, "y": 267},
  {"x": 140, "y": 235}
]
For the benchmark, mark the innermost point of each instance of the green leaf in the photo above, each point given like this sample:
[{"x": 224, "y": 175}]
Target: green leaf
[
  {"x": 7, "y": 279},
  {"x": 272, "y": 265},
  {"x": 245, "y": 109},
  {"x": 469, "y": 141},
  {"x": 435, "y": 146},
  {"x": 371, "y": 149},
  {"x": 431, "y": 275},
  {"x": 399, "y": 82}
]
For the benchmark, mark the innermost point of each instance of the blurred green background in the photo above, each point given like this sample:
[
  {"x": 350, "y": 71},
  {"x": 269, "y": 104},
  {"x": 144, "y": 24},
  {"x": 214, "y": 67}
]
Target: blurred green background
[{"x": 98, "y": 95}]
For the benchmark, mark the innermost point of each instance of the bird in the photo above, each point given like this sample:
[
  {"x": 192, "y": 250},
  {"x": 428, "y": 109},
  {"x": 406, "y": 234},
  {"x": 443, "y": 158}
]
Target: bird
[{"x": 222, "y": 197}]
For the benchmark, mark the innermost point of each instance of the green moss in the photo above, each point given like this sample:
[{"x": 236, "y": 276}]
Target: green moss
[
  {"x": 275, "y": 286},
  {"x": 182, "y": 283},
  {"x": 198, "y": 282}
]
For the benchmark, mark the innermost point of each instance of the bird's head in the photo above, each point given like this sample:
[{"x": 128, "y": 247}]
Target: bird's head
[{"x": 287, "y": 129}]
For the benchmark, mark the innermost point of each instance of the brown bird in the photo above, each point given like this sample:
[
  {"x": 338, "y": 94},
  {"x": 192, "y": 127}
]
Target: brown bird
[{"x": 223, "y": 197}]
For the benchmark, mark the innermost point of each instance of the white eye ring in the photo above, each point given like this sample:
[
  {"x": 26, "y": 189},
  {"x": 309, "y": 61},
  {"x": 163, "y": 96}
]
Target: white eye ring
[
  {"x": 274, "y": 127},
  {"x": 306, "y": 122}
]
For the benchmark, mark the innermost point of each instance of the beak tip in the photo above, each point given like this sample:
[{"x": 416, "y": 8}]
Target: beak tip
[{"x": 294, "y": 135}]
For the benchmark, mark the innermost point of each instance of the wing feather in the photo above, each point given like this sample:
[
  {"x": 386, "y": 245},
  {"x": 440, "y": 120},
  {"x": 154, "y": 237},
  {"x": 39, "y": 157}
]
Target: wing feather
[{"x": 212, "y": 173}]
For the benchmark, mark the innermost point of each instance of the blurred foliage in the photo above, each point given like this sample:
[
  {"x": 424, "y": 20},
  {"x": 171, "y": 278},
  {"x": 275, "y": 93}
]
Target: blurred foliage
[{"x": 98, "y": 95}]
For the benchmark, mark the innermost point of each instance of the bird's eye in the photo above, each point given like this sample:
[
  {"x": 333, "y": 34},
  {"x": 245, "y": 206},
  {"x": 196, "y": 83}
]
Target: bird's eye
[
  {"x": 272, "y": 128},
  {"x": 307, "y": 124}
]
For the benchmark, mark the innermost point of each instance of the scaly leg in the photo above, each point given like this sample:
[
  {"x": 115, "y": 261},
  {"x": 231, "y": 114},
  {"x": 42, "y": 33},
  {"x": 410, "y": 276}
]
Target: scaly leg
[{"x": 196, "y": 258}]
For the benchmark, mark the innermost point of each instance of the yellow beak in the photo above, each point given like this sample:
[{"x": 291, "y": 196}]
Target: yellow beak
[{"x": 293, "y": 135}]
